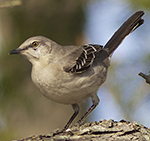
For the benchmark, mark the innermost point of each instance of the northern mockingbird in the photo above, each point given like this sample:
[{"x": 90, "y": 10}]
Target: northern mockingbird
[{"x": 71, "y": 74}]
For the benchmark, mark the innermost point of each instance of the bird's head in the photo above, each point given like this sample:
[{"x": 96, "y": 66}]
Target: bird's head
[{"x": 34, "y": 48}]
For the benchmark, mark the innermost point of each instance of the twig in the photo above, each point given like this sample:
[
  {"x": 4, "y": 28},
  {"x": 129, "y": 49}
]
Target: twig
[{"x": 146, "y": 77}]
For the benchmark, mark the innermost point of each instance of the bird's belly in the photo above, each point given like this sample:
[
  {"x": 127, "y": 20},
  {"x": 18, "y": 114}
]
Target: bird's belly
[
  {"x": 70, "y": 88},
  {"x": 69, "y": 94}
]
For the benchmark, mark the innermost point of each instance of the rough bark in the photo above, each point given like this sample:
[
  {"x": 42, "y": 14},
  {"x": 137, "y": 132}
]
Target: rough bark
[{"x": 98, "y": 131}]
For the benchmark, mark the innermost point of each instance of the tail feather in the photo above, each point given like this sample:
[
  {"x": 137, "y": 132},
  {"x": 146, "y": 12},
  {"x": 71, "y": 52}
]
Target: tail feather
[{"x": 127, "y": 27}]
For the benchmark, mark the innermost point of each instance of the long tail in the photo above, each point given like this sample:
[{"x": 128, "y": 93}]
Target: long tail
[{"x": 127, "y": 27}]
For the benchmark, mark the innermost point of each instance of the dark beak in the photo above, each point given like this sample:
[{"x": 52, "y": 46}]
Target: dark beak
[{"x": 15, "y": 51}]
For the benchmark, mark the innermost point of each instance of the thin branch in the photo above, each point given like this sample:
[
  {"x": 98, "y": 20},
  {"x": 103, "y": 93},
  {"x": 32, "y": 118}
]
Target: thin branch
[{"x": 146, "y": 77}]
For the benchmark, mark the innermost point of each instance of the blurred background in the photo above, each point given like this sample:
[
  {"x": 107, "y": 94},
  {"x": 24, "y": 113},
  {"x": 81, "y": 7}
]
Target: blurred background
[{"x": 124, "y": 95}]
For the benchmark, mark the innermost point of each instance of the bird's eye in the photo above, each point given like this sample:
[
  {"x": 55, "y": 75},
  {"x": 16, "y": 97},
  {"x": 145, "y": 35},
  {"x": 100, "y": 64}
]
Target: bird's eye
[{"x": 35, "y": 44}]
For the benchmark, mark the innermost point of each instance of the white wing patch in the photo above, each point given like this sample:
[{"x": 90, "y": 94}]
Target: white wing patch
[{"x": 86, "y": 59}]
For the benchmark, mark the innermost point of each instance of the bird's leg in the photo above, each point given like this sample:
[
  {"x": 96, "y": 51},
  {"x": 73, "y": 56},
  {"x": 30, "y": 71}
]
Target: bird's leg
[
  {"x": 95, "y": 101},
  {"x": 76, "y": 109}
]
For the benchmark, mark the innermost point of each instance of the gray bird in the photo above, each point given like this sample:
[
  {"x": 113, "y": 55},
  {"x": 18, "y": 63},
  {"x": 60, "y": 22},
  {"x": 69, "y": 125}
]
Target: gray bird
[{"x": 71, "y": 74}]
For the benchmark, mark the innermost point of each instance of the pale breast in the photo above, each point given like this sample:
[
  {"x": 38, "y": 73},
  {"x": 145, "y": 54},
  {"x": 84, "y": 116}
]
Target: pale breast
[{"x": 68, "y": 88}]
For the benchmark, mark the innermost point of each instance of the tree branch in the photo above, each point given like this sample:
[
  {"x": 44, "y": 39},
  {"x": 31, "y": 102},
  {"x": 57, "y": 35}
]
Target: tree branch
[
  {"x": 146, "y": 77},
  {"x": 102, "y": 130}
]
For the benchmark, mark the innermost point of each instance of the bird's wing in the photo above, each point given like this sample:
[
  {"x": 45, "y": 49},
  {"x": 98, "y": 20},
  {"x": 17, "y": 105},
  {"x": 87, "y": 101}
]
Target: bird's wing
[{"x": 84, "y": 60}]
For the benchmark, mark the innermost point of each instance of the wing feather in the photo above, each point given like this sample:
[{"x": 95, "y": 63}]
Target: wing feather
[{"x": 86, "y": 59}]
